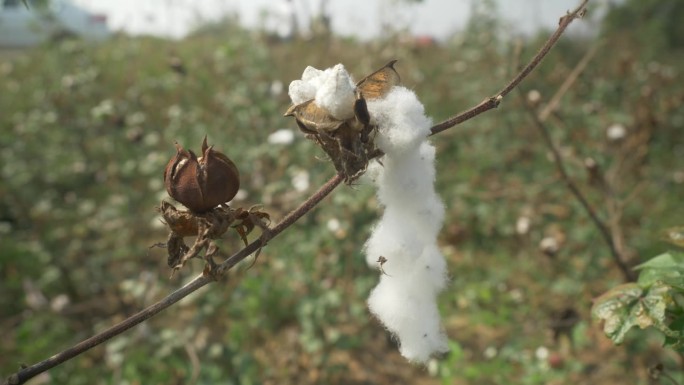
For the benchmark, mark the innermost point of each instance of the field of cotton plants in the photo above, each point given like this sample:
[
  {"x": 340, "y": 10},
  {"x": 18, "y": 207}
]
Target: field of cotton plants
[{"x": 86, "y": 132}]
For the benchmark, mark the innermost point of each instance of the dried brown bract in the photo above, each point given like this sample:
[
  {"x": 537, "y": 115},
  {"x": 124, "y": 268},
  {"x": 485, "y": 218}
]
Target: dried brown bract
[
  {"x": 207, "y": 227},
  {"x": 203, "y": 185},
  {"x": 348, "y": 143}
]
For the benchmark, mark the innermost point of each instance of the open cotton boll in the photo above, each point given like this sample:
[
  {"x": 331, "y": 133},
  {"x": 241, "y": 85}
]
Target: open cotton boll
[
  {"x": 336, "y": 93},
  {"x": 405, "y": 299}
]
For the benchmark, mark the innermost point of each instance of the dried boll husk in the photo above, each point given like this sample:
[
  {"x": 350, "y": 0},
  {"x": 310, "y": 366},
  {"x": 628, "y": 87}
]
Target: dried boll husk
[{"x": 201, "y": 184}]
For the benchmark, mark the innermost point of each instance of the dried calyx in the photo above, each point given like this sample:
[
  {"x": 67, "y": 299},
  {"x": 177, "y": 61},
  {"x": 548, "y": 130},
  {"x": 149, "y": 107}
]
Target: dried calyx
[{"x": 203, "y": 183}]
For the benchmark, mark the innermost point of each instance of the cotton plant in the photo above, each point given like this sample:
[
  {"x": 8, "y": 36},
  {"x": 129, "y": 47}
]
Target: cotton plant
[{"x": 403, "y": 244}]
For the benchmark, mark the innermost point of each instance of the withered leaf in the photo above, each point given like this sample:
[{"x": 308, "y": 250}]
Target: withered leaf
[
  {"x": 378, "y": 84},
  {"x": 312, "y": 118}
]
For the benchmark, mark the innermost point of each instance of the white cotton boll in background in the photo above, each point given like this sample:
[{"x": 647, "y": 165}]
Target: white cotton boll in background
[{"x": 336, "y": 93}]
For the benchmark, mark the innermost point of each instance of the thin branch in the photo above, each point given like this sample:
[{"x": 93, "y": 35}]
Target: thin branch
[
  {"x": 31, "y": 371},
  {"x": 560, "y": 165},
  {"x": 286, "y": 222},
  {"x": 494, "y": 101},
  {"x": 553, "y": 103}
]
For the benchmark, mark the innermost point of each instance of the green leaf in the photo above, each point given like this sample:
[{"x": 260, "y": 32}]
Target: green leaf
[
  {"x": 614, "y": 308},
  {"x": 653, "y": 309},
  {"x": 676, "y": 343},
  {"x": 668, "y": 268},
  {"x": 664, "y": 261},
  {"x": 627, "y": 305}
]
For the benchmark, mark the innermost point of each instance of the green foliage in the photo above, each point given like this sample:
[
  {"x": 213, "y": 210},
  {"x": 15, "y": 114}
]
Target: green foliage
[
  {"x": 654, "y": 301},
  {"x": 86, "y": 131},
  {"x": 658, "y": 23}
]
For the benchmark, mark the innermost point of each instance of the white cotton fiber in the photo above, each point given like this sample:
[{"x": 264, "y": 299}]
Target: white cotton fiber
[
  {"x": 411, "y": 314},
  {"x": 405, "y": 300},
  {"x": 333, "y": 89},
  {"x": 401, "y": 120},
  {"x": 415, "y": 272},
  {"x": 336, "y": 93}
]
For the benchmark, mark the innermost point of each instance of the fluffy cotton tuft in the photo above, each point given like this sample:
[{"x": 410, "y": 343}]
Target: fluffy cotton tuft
[
  {"x": 414, "y": 271},
  {"x": 332, "y": 88}
]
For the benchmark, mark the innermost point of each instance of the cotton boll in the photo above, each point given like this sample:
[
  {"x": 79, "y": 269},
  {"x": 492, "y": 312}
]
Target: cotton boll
[
  {"x": 336, "y": 93},
  {"x": 405, "y": 299}
]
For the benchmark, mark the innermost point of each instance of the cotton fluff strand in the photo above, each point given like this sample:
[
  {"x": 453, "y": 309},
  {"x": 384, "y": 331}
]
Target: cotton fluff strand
[{"x": 414, "y": 271}]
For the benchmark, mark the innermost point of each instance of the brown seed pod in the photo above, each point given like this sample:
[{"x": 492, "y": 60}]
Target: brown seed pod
[{"x": 201, "y": 184}]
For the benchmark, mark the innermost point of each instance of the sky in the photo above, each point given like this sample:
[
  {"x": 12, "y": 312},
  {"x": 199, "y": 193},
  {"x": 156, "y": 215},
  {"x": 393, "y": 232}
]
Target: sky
[{"x": 359, "y": 18}]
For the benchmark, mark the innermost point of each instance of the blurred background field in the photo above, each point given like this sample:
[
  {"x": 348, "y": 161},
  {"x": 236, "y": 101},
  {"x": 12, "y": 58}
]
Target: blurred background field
[{"x": 86, "y": 130}]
